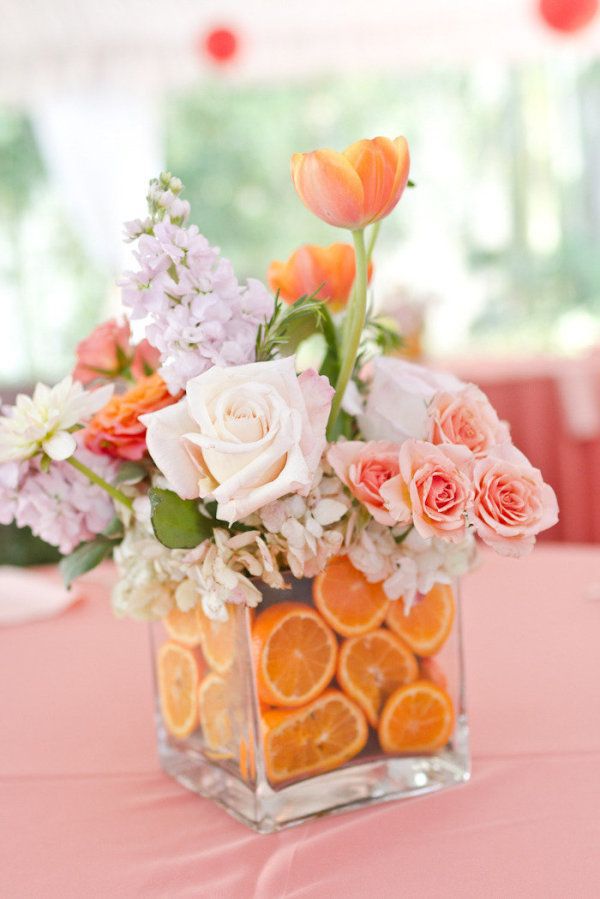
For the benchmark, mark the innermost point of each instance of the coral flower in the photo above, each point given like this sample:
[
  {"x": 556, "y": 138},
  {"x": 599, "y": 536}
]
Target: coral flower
[
  {"x": 116, "y": 429},
  {"x": 332, "y": 269},
  {"x": 354, "y": 188}
]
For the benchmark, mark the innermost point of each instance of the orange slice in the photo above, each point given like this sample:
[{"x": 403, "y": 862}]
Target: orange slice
[
  {"x": 325, "y": 734},
  {"x": 432, "y": 670},
  {"x": 178, "y": 672},
  {"x": 216, "y": 704},
  {"x": 346, "y": 599},
  {"x": 429, "y": 622},
  {"x": 218, "y": 639},
  {"x": 295, "y": 654},
  {"x": 184, "y": 627},
  {"x": 372, "y": 666},
  {"x": 416, "y": 718}
]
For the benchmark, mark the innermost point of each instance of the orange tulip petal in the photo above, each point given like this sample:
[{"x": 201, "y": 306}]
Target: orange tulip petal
[
  {"x": 329, "y": 186},
  {"x": 401, "y": 175}
]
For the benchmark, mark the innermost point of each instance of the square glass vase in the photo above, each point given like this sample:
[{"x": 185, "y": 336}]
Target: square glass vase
[{"x": 286, "y": 712}]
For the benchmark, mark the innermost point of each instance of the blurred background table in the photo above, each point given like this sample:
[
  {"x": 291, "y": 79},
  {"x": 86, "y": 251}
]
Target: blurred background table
[{"x": 86, "y": 810}]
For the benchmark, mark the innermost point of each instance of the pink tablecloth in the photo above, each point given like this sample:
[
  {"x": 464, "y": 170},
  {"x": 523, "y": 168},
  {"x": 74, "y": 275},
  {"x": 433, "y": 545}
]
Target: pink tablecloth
[
  {"x": 553, "y": 407},
  {"x": 86, "y": 812}
]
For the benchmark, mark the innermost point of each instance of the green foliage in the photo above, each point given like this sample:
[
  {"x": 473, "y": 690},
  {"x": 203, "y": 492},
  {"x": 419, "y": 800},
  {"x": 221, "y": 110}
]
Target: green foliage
[
  {"x": 178, "y": 523},
  {"x": 86, "y": 557},
  {"x": 290, "y": 325},
  {"x": 130, "y": 473}
]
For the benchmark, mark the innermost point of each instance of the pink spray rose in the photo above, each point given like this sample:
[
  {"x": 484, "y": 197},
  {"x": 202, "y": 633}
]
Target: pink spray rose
[
  {"x": 433, "y": 487},
  {"x": 364, "y": 468},
  {"x": 243, "y": 436},
  {"x": 465, "y": 418},
  {"x": 512, "y": 503},
  {"x": 107, "y": 353}
]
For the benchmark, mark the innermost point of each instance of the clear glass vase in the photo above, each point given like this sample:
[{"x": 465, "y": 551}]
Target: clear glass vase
[{"x": 279, "y": 716}]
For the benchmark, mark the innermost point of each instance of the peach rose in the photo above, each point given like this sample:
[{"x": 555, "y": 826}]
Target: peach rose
[
  {"x": 116, "y": 430},
  {"x": 512, "y": 503},
  {"x": 107, "y": 353},
  {"x": 466, "y": 418},
  {"x": 244, "y": 435},
  {"x": 433, "y": 487},
  {"x": 102, "y": 354},
  {"x": 364, "y": 468}
]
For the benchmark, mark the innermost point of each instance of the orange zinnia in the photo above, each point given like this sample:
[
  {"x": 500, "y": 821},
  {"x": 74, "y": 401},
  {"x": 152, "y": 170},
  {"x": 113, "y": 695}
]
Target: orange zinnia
[
  {"x": 332, "y": 269},
  {"x": 116, "y": 429},
  {"x": 354, "y": 188}
]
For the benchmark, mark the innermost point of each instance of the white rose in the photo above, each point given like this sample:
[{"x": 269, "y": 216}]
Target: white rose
[
  {"x": 399, "y": 394},
  {"x": 243, "y": 436}
]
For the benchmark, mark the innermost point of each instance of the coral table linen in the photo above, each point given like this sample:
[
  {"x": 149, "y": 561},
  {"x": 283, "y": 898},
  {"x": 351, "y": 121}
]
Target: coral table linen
[{"x": 85, "y": 810}]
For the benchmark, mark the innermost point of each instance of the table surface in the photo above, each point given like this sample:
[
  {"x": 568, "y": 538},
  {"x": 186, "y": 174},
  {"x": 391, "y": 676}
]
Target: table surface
[{"x": 87, "y": 812}]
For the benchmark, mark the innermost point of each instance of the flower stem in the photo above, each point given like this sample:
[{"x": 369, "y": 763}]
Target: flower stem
[
  {"x": 353, "y": 329},
  {"x": 373, "y": 239},
  {"x": 100, "y": 482}
]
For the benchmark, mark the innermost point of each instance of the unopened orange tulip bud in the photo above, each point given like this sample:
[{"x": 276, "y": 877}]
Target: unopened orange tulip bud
[
  {"x": 354, "y": 188},
  {"x": 332, "y": 269}
]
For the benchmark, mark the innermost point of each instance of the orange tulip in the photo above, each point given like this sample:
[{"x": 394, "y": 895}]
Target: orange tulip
[
  {"x": 354, "y": 188},
  {"x": 309, "y": 267}
]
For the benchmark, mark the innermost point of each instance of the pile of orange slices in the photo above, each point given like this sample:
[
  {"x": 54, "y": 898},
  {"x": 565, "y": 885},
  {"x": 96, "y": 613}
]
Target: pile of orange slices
[{"x": 326, "y": 676}]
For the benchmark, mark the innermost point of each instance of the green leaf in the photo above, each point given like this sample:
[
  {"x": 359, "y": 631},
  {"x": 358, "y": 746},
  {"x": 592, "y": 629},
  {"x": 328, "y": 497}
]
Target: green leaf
[
  {"x": 84, "y": 558},
  {"x": 131, "y": 473},
  {"x": 410, "y": 183},
  {"x": 178, "y": 523},
  {"x": 114, "y": 530}
]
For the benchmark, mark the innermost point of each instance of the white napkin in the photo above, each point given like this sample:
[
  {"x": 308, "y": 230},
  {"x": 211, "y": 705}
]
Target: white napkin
[{"x": 27, "y": 595}]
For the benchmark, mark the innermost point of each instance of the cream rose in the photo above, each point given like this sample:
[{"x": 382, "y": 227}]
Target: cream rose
[
  {"x": 243, "y": 436},
  {"x": 398, "y": 400}
]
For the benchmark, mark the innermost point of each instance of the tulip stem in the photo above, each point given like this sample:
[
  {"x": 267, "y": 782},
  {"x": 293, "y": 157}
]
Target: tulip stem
[
  {"x": 100, "y": 482},
  {"x": 373, "y": 239},
  {"x": 353, "y": 328}
]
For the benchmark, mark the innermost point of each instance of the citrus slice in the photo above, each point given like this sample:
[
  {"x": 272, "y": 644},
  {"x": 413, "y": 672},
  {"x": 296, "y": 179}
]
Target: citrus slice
[
  {"x": 184, "y": 627},
  {"x": 346, "y": 599},
  {"x": 325, "y": 734},
  {"x": 431, "y": 670},
  {"x": 295, "y": 654},
  {"x": 372, "y": 666},
  {"x": 416, "y": 718},
  {"x": 218, "y": 639},
  {"x": 216, "y": 703},
  {"x": 178, "y": 673},
  {"x": 429, "y": 622}
]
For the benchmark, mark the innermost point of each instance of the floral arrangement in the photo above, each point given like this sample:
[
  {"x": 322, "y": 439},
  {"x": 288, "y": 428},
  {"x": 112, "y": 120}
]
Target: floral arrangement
[{"x": 202, "y": 453}]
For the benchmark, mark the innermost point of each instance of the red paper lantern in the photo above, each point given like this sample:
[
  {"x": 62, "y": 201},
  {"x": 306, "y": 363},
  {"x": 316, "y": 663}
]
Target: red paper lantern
[
  {"x": 568, "y": 15},
  {"x": 220, "y": 44}
]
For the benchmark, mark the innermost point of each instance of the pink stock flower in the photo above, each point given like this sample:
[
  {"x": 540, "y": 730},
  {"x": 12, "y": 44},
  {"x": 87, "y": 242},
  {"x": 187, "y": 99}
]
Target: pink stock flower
[
  {"x": 59, "y": 505},
  {"x": 364, "y": 468},
  {"x": 433, "y": 488},
  {"x": 465, "y": 418},
  {"x": 512, "y": 503}
]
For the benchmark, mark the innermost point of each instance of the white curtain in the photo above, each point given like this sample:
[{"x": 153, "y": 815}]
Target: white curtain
[{"x": 100, "y": 147}]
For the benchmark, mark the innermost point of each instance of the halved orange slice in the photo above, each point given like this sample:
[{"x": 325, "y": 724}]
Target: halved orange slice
[
  {"x": 322, "y": 735},
  {"x": 346, "y": 599},
  {"x": 416, "y": 718},
  {"x": 217, "y": 715},
  {"x": 184, "y": 627},
  {"x": 218, "y": 639},
  {"x": 429, "y": 622},
  {"x": 178, "y": 673},
  {"x": 372, "y": 666},
  {"x": 295, "y": 654}
]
